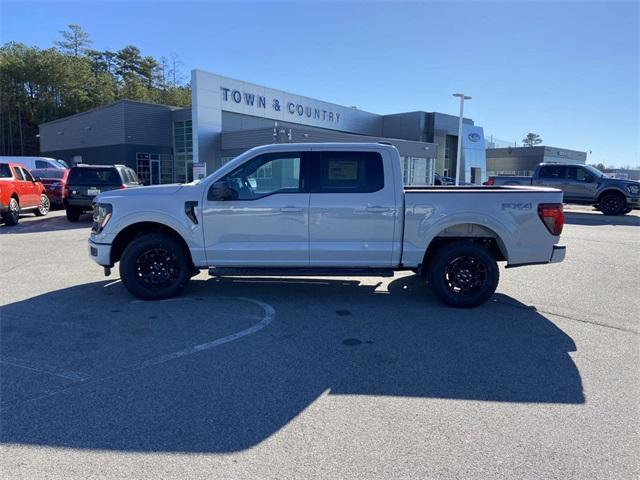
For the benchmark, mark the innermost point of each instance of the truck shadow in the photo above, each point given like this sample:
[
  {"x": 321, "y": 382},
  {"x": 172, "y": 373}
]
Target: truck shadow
[
  {"x": 329, "y": 337},
  {"x": 580, "y": 218}
]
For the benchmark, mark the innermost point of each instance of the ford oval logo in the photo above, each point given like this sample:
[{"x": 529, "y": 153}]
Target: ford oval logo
[{"x": 474, "y": 137}]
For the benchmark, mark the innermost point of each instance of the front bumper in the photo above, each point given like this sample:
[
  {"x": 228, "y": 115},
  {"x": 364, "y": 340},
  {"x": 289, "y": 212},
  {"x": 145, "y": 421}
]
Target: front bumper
[
  {"x": 633, "y": 202},
  {"x": 100, "y": 253},
  {"x": 558, "y": 253}
]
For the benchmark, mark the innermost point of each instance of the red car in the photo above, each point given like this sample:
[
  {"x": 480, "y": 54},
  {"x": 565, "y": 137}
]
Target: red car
[
  {"x": 19, "y": 192},
  {"x": 55, "y": 183}
]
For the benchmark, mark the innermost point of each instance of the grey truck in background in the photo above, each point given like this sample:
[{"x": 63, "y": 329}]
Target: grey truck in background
[{"x": 582, "y": 184}]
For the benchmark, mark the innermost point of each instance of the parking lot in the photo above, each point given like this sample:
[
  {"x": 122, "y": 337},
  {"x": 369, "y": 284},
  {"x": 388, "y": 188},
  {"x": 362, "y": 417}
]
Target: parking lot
[{"x": 320, "y": 377}]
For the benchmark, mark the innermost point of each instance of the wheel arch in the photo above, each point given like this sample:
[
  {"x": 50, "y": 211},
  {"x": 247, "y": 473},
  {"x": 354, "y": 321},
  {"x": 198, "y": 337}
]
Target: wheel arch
[
  {"x": 609, "y": 190},
  {"x": 134, "y": 230},
  {"x": 466, "y": 232}
]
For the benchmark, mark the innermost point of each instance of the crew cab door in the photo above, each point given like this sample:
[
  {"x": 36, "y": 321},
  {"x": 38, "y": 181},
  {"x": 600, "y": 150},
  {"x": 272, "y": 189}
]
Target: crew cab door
[
  {"x": 352, "y": 210},
  {"x": 258, "y": 214},
  {"x": 554, "y": 176}
]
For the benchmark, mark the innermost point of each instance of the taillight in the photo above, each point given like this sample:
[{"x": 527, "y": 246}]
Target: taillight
[
  {"x": 490, "y": 181},
  {"x": 65, "y": 191},
  {"x": 123, "y": 186},
  {"x": 552, "y": 215}
]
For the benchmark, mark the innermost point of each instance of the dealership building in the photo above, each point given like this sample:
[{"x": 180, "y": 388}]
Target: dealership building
[
  {"x": 228, "y": 116},
  {"x": 523, "y": 160}
]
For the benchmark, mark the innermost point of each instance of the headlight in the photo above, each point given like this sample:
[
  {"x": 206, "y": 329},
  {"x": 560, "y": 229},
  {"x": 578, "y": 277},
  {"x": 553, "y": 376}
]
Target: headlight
[
  {"x": 635, "y": 189},
  {"x": 101, "y": 216}
]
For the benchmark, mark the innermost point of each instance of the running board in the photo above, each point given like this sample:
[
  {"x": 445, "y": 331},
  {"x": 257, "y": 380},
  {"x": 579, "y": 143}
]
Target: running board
[{"x": 299, "y": 272}]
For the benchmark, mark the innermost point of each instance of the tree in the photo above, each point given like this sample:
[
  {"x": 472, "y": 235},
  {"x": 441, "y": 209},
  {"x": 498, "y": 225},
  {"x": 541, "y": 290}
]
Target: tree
[
  {"x": 531, "y": 140},
  {"x": 74, "y": 40}
]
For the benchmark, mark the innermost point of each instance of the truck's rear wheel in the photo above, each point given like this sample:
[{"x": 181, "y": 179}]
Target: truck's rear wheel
[
  {"x": 463, "y": 274},
  {"x": 73, "y": 213},
  {"x": 612, "y": 204},
  {"x": 155, "y": 266}
]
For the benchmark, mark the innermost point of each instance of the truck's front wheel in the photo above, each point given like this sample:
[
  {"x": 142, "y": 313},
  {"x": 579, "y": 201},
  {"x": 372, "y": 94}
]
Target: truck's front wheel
[
  {"x": 463, "y": 274},
  {"x": 154, "y": 266}
]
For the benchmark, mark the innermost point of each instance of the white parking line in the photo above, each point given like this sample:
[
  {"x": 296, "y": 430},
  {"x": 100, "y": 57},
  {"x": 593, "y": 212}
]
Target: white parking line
[
  {"x": 45, "y": 369},
  {"x": 81, "y": 379}
]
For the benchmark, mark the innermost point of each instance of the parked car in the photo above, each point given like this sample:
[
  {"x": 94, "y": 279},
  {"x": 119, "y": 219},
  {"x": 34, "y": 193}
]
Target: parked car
[
  {"x": 337, "y": 209},
  {"x": 55, "y": 183},
  {"x": 85, "y": 182},
  {"x": 582, "y": 184},
  {"x": 20, "y": 192},
  {"x": 33, "y": 163}
]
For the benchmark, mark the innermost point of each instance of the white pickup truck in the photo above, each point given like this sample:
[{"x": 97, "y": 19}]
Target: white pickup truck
[{"x": 323, "y": 209}]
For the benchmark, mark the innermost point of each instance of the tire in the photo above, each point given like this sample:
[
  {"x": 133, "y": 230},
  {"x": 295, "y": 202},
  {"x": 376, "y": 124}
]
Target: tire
[
  {"x": 612, "y": 204},
  {"x": 12, "y": 215},
  {"x": 73, "y": 214},
  {"x": 44, "y": 207},
  {"x": 155, "y": 266},
  {"x": 463, "y": 274}
]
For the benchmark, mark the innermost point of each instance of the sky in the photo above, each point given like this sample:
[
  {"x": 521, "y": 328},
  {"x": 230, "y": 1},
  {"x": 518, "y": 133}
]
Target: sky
[{"x": 567, "y": 70}]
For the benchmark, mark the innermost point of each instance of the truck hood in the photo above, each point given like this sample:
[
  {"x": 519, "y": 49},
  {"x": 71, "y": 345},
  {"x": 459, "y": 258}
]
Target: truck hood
[{"x": 141, "y": 191}]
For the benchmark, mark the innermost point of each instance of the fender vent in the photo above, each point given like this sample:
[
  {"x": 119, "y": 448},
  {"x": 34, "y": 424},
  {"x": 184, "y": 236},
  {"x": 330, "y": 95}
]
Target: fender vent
[{"x": 190, "y": 211}]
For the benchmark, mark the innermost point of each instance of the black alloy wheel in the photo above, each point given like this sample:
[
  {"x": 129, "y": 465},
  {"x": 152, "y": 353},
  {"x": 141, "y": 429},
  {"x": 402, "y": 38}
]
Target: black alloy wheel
[
  {"x": 463, "y": 274},
  {"x": 155, "y": 266},
  {"x": 612, "y": 204}
]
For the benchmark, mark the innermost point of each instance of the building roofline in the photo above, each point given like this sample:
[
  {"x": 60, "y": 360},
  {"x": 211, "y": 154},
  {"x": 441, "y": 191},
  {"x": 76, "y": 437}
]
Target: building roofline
[{"x": 109, "y": 105}]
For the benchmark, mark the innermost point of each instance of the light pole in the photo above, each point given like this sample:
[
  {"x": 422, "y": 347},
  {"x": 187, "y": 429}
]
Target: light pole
[{"x": 463, "y": 97}]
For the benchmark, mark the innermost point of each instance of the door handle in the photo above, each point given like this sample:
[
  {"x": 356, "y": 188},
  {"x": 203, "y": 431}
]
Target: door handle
[
  {"x": 291, "y": 209},
  {"x": 377, "y": 209}
]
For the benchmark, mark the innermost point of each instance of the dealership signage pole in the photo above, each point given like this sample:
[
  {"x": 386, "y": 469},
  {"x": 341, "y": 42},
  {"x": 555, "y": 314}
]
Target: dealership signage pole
[{"x": 463, "y": 97}]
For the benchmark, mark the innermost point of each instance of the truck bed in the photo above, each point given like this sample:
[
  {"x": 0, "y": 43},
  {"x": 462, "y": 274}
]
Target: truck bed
[{"x": 507, "y": 213}]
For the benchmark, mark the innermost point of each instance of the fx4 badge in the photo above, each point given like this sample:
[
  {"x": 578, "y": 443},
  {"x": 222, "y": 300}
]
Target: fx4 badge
[{"x": 516, "y": 206}]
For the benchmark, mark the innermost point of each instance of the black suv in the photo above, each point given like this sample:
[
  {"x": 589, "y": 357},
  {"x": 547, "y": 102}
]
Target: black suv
[{"x": 85, "y": 182}]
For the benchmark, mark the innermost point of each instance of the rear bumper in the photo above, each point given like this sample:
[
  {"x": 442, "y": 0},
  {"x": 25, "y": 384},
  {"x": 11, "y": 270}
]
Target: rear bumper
[
  {"x": 100, "y": 253},
  {"x": 558, "y": 253},
  {"x": 79, "y": 203}
]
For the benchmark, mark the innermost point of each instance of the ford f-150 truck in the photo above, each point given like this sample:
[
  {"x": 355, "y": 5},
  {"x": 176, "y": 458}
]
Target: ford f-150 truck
[
  {"x": 581, "y": 184},
  {"x": 323, "y": 209}
]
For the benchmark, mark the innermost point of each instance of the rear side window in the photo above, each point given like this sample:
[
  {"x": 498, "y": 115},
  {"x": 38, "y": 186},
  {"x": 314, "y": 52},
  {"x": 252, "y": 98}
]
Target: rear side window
[
  {"x": 350, "y": 172},
  {"x": 553, "y": 171},
  {"x": 42, "y": 164},
  {"x": 5, "y": 171},
  {"x": 94, "y": 176}
]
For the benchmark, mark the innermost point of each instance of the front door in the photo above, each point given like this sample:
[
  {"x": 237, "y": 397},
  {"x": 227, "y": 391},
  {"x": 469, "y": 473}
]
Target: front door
[
  {"x": 258, "y": 215},
  {"x": 581, "y": 184},
  {"x": 352, "y": 210}
]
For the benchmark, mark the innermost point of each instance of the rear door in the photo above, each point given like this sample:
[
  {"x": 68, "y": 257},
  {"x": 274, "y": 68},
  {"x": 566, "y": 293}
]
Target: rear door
[
  {"x": 554, "y": 176},
  {"x": 352, "y": 210}
]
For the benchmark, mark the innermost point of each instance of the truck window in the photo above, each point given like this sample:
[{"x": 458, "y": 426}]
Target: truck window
[
  {"x": 350, "y": 172},
  {"x": 578, "y": 174},
  {"x": 42, "y": 164},
  {"x": 261, "y": 176},
  {"x": 553, "y": 171}
]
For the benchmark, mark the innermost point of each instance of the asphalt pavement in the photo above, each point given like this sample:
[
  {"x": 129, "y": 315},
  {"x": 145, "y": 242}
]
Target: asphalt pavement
[{"x": 301, "y": 378}]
